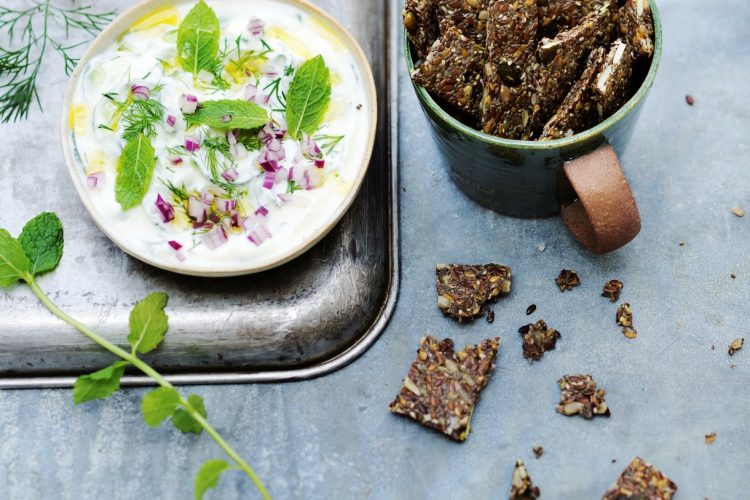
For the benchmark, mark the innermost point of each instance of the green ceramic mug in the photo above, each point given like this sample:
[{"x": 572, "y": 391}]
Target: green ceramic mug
[{"x": 542, "y": 178}]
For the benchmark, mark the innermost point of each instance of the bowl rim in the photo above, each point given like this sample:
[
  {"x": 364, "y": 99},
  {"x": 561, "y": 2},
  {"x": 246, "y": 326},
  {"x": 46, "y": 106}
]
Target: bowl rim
[
  {"x": 119, "y": 25},
  {"x": 587, "y": 134}
]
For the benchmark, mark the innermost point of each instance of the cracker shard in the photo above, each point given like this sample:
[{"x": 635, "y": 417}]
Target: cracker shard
[
  {"x": 556, "y": 15},
  {"x": 452, "y": 70},
  {"x": 464, "y": 290},
  {"x": 538, "y": 338},
  {"x": 578, "y": 110},
  {"x": 611, "y": 85},
  {"x": 580, "y": 396},
  {"x": 510, "y": 90},
  {"x": 469, "y": 16},
  {"x": 521, "y": 487},
  {"x": 562, "y": 58},
  {"x": 420, "y": 21},
  {"x": 641, "y": 480},
  {"x": 637, "y": 27},
  {"x": 442, "y": 386}
]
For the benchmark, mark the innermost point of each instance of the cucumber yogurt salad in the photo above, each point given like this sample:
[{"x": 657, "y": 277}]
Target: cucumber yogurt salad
[{"x": 220, "y": 135}]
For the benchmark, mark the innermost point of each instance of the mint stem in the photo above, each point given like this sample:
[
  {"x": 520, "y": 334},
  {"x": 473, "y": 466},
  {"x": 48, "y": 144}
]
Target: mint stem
[{"x": 153, "y": 374}]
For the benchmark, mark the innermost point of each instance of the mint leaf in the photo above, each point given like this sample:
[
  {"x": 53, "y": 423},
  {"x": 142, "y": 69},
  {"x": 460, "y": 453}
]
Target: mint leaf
[
  {"x": 42, "y": 240},
  {"x": 14, "y": 263},
  {"x": 100, "y": 384},
  {"x": 183, "y": 421},
  {"x": 198, "y": 39},
  {"x": 148, "y": 323},
  {"x": 229, "y": 114},
  {"x": 134, "y": 172},
  {"x": 159, "y": 404},
  {"x": 208, "y": 477},
  {"x": 308, "y": 97}
]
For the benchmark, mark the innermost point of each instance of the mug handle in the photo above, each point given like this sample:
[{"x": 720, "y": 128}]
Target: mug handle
[{"x": 605, "y": 216}]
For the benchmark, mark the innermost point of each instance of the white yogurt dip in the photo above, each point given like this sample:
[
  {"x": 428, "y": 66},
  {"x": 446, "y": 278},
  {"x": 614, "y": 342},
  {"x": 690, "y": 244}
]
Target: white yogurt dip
[{"x": 210, "y": 211}]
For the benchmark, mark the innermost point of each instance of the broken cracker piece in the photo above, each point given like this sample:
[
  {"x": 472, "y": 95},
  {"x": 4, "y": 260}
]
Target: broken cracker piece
[
  {"x": 510, "y": 91},
  {"x": 567, "y": 280},
  {"x": 469, "y": 16},
  {"x": 420, "y": 21},
  {"x": 521, "y": 487},
  {"x": 612, "y": 290},
  {"x": 637, "y": 27},
  {"x": 464, "y": 290},
  {"x": 442, "y": 386},
  {"x": 612, "y": 82},
  {"x": 578, "y": 110},
  {"x": 453, "y": 70},
  {"x": 580, "y": 396},
  {"x": 641, "y": 480},
  {"x": 538, "y": 338}
]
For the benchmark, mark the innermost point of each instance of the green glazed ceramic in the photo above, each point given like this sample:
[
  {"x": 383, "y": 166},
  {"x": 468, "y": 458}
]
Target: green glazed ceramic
[{"x": 524, "y": 178}]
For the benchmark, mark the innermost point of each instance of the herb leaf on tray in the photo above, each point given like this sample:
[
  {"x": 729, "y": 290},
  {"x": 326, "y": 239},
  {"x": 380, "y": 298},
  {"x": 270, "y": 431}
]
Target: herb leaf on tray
[
  {"x": 229, "y": 114},
  {"x": 134, "y": 172},
  {"x": 24, "y": 48},
  {"x": 42, "y": 240},
  {"x": 39, "y": 250},
  {"x": 148, "y": 323},
  {"x": 308, "y": 97}
]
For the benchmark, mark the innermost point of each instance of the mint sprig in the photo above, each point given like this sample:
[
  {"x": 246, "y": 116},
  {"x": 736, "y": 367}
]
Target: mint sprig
[
  {"x": 134, "y": 171},
  {"x": 308, "y": 97},
  {"x": 198, "y": 39},
  {"x": 229, "y": 114},
  {"x": 39, "y": 250}
]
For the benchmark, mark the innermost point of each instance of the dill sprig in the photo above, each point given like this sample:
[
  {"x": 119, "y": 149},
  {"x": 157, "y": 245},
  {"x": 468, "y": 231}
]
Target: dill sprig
[
  {"x": 26, "y": 40},
  {"x": 139, "y": 115},
  {"x": 217, "y": 148},
  {"x": 328, "y": 142}
]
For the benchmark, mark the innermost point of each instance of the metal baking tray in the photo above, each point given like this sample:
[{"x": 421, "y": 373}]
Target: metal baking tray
[{"x": 305, "y": 319}]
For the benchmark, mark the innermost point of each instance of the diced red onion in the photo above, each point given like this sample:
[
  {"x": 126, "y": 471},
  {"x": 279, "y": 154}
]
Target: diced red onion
[
  {"x": 320, "y": 163},
  {"x": 255, "y": 26},
  {"x": 269, "y": 179},
  {"x": 226, "y": 204},
  {"x": 259, "y": 234},
  {"x": 226, "y": 118},
  {"x": 230, "y": 174},
  {"x": 197, "y": 210},
  {"x": 237, "y": 220},
  {"x": 176, "y": 160},
  {"x": 175, "y": 245},
  {"x": 207, "y": 197},
  {"x": 262, "y": 98},
  {"x": 140, "y": 92},
  {"x": 285, "y": 198},
  {"x": 165, "y": 209},
  {"x": 310, "y": 148},
  {"x": 269, "y": 131},
  {"x": 216, "y": 237},
  {"x": 192, "y": 143},
  {"x": 274, "y": 145},
  {"x": 95, "y": 180},
  {"x": 313, "y": 179},
  {"x": 262, "y": 211},
  {"x": 171, "y": 120},
  {"x": 188, "y": 104},
  {"x": 270, "y": 70}
]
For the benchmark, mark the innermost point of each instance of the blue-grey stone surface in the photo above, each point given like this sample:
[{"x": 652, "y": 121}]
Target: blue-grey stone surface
[{"x": 334, "y": 438}]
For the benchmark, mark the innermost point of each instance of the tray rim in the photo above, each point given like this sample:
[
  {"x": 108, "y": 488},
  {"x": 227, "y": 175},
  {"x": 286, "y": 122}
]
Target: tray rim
[{"x": 365, "y": 341}]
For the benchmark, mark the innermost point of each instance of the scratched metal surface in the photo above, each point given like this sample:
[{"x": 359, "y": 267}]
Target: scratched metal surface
[
  {"x": 332, "y": 437},
  {"x": 303, "y": 319}
]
